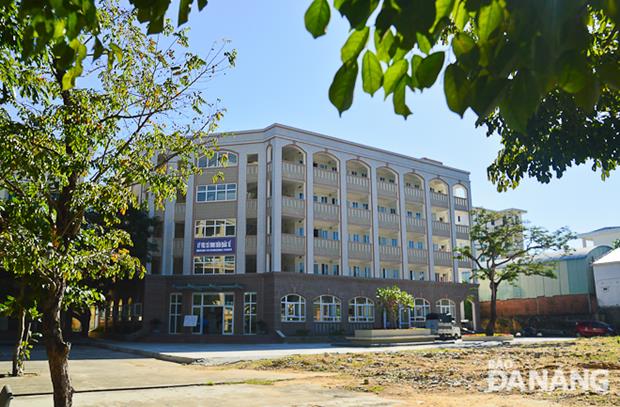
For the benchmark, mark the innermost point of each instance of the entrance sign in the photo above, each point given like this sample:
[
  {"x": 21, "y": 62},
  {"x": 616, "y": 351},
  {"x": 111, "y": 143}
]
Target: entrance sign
[
  {"x": 215, "y": 245},
  {"x": 190, "y": 320}
]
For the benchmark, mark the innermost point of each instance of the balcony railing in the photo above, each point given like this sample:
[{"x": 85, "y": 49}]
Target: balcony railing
[
  {"x": 461, "y": 203},
  {"x": 360, "y": 251},
  {"x": 438, "y": 199},
  {"x": 179, "y": 210},
  {"x": 389, "y": 253},
  {"x": 293, "y": 171},
  {"x": 251, "y": 206},
  {"x": 293, "y": 207},
  {"x": 326, "y": 247},
  {"x": 417, "y": 256},
  {"x": 387, "y": 188},
  {"x": 465, "y": 263},
  {"x": 293, "y": 244},
  {"x": 326, "y": 212},
  {"x": 250, "y": 244},
  {"x": 441, "y": 228},
  {"x": 251, "y": 172},
  {"x": 414, "y": 194},
  {"x": 325, "y": 177},
  {"x": 416, "y": 224},
  {"x": 177, "y": 247},
  {"x": 359, "y": 216},
  {"x": 462, "y": 232},
  {"x": 389, "y": 220},
  {"x": 443, "y": 258},
  {"x": 357, "y": 183}
]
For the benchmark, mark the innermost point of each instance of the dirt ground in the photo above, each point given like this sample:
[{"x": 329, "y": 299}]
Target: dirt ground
[{"x": 450, "y": 377}]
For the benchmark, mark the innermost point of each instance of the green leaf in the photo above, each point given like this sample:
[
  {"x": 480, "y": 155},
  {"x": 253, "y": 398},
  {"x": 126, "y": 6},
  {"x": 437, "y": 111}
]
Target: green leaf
[
  {"x": 385, "y": 45},
  {"x": 465, "y": 49},
  {"x": 461, "y": 15},
  {"x": 521, "y": 101},
  {"x": 355, "y": 44},
  {"x": 97, "y": 49},
  {"x": 184, "y": 8},
  {"x": 356, "y": 11},
  {"x": 343, "y": 85},
  {"x": 588, "y": 96},
  {"x": 416, "y": 60},
  {"x": 400, "y": 107},
  {"x": 202, "y": 4},
  {"x": 489, "y": 19},
  {"x": 317, "y": 17},
  {"x": 610, "y": 74},
  {"x": 423, "y": 43},
  {"x": 429, "y": 68},
  {"x": 574, "y": 73},
  {"x": 372, "y": 74},
  {"x": 456, "y": 89},
  {"x": 393, "y": 75}
]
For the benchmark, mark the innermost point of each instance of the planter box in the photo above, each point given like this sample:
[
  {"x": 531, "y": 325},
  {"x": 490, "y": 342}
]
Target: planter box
[
  {"x": 385, "y": 333},
  {"x": 499, "y": 338}
]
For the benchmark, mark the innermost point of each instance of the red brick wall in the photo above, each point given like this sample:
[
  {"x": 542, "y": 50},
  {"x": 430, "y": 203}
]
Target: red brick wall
[{"x": 556, "y": 305}]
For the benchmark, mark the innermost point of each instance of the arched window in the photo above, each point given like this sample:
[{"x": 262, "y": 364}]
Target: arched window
[
  {"x": 446, "y": 306},
  {"x": 421, "y": 308},
  {"x": 218, "y": 159},
  {"x": 293, "y": 308},
  {"x": 361, "y": 309},
  {"x": 327, "y": 309}
]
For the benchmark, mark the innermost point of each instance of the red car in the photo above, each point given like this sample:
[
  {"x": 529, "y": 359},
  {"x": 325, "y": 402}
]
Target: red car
[{"x": 594, "y": 328}]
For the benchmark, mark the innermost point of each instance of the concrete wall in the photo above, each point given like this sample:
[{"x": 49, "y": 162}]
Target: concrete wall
[
  {"x": 607, "y": 282},
  {"x": 574, "y": 304}
]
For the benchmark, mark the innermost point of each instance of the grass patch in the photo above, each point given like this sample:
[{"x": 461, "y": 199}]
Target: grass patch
[{"x": 261, "y": 382}]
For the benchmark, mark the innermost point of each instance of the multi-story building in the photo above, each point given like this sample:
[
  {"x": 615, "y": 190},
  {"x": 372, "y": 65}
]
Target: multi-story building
[{"x": 301, "y": 232}]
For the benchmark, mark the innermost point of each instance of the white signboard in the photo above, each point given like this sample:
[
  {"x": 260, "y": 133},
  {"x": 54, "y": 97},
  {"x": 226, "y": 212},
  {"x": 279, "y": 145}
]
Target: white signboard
[{"x": 190, "y": 320}]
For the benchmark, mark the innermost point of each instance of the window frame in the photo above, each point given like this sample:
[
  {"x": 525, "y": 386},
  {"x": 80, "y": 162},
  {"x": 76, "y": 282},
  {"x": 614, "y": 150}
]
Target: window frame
[
  {"x": 228, "y": 262},
  {"x": 206, "y": 224},
  {"x": 228, "y": 189},
  {"x": 361, "y": 312},
  {"x": 441, "y": 306},
  {"x": 177, "y": 316},
  {"x": 321, "y": 302},
  {"x": 217, "y": 159},
  {"x": 299, "y": 307}
]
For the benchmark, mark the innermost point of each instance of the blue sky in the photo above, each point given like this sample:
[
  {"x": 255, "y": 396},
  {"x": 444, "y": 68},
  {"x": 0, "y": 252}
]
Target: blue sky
[{"x": 282, "y": 75}]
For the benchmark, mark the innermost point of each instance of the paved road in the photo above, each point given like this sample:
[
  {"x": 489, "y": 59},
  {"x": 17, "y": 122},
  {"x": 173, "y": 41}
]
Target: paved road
[{"x": 214, "y": 354}]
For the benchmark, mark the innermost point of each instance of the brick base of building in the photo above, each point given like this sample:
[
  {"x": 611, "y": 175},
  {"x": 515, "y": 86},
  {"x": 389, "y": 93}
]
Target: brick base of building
[
  {"x": 575, "y": 304},
  {"x": 269, "y": 289}
]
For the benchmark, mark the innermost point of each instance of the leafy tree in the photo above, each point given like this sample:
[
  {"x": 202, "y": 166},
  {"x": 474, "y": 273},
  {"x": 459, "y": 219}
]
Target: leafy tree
[
  {"x": 521, "y": 66},
  {"x": 136, "y": 120},
  {"x": 616, "y": 244},
  {"x": 390, "y": 299},
  {"x": 506, "y": 248}
]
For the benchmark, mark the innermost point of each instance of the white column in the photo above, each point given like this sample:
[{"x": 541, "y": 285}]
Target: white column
[
  {"x": 151, "y": 208},
  {"x": 455, "y": 263},
  {"x": 473, "y": 246},
  {"x": 374, "y": 201},
  {"x": 261, "y": 212},
  {"x": 241, "y": 216},
  {"x": 276, "y": 207},
  {"x": 168, "y": 238},
  {"x": 429, "y": 228},
  {"x": 309, "y": 210},
  {"x": 402, "y": 210},
  {"x": 344, "y": 216},
  {"x": 188, "y": 236}
]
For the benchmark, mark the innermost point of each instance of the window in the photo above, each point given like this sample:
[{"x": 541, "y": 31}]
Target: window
[
  {"x": 179, "y": 230},
  {"x": 366, "y": 239},
  {"x": 335, "y": 235},
  {"x": 356, "y": 237},
  {"x": 357, "y": 271},
  {"x": 365, "y": 206},
  {"x": 393, "y": 211},
  {"x": 381, "y": 209},
  {"x": 446, "y": 306},
  {"x": 327, "y": 309},
  {"x": 361, "y": 309},
  {"x": 214, "y": 264},
  {"x": 175, "y": 322},
  {"x": 219, "y": 159},
  {"x": 355, "y": 204},
  {"x": 215, "y": 228},
  {"x": 293, "y": 308},
  {"x": 421, "y": 308},
  {"x": 335, "y": 269},
  {"x": 394, "y": 242},
  {"x": 391, "y": 273},
  {"x": 216, "y": 192},
  {"x": 383, "y": 241},
  {"x": 249, "y": 314},
  {"x": 411, "y": 244}
]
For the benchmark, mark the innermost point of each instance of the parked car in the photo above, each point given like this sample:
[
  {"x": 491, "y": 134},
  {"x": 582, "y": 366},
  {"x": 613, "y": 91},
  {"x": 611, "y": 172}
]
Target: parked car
[
  {"x": 593, "y": 328},
  {"x": 443, "y": 326}
]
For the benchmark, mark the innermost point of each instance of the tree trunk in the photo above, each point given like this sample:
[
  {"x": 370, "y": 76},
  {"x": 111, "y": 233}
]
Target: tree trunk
[
  {"x": 490, "y": 330},
  {"x": 57, "y": 350},
  {"x": 18, "y": 363}
]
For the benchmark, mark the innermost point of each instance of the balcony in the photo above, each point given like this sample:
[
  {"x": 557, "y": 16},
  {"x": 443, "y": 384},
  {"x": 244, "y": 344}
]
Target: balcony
[
  {"x": 389, "y": 253},
  {"x": 438, "y": 199},
  {"x": 359, "y": 216},
  {"x": 293, "y": 171},
  {"x": 251, "y": 173},
  {"x": 441, "y": 228},
  {"x": 177, "y": 247},
  {"x": 250, "y": 244},
  {"x": 251, "y": 207},
  {"x": 179, "y": 210},
  {"x": 417, "y": 225},
  {"x": 293, "y": 207},
  {"x": 417, "y": 256},
  {"x": 293, "y": 244},
  {"x": 360, "y": 251},
  {"x": 462, "y": 232},
  {"x": 414, "y": 194},
  {"x": 389, "y": 221},
  {"x": 465, "y": 263},
  {"x": 327, "y": 212},
  {"x": 358, "y": 184},
  {"x": 326, "y": 248},
  {"x": 325, "y": 177},
  {"x": 443, "y": 258},
  {"x": 461, "y": 204},
  {"x": 387, "y": 189}
]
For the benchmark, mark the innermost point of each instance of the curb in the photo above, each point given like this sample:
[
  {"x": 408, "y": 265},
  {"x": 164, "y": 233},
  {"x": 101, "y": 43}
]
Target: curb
[{"x": 139, "y": 352}]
